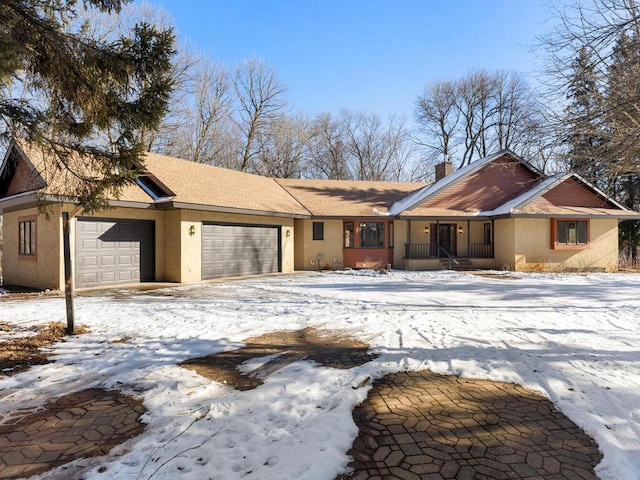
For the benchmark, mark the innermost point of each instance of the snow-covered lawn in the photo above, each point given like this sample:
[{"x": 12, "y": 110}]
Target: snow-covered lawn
[{"x": 575, "y": 338}]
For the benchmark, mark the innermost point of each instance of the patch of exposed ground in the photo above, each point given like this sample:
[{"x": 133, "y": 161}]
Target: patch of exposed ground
[
  {"x": 27, "y": 345},
  {"x": 417, "y": 425},
  {"x": 84, "y": 424},
  {"x": 329, "y": 348},
  {"x": 499, "y": 276},
  {"x": 15, "y": 292}
]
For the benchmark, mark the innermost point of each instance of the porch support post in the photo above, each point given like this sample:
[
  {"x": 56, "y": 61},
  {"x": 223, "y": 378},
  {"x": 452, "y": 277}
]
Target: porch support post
[
  {"x": 493, "y": 239},
  {"x": 437, "y": 238},
  {"x": 468, "y": 240}
]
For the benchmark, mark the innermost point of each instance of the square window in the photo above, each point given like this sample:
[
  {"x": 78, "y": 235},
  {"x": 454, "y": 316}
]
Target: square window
[
  {"x": 571, "y": 233},
  {"x": 318, "y": 230},
  {"x": 371, "y": 234}
]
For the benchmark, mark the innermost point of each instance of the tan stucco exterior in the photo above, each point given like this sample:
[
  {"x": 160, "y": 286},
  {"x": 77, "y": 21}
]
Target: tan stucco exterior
[
  {"x": 533, "y": 250},
  {"x": 524, "y": 244},
  {"x": 401, "y": 232},
  {"x": 504, "y": 236},
  {"x": 44, "y": 269},
  {"x": 178, "y": 255},
  {"x": 313, "y": 254}
]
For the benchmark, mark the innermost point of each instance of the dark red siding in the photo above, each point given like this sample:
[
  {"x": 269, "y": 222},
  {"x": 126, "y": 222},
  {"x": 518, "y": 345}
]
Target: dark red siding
[
  {"x": 486, "y": 189},
  {"x": 571, "y": 193}
]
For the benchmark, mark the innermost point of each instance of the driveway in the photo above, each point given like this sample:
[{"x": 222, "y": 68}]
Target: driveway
[{"x": 570, "y": 339}]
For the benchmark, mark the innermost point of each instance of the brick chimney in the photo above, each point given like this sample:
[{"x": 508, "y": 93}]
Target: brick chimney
[{"x": 443, "y": 169}]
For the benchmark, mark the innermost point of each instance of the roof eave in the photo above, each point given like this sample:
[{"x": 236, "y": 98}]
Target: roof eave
[
  {"x": 221, "y": 209},
  {"x": 19, "y": 201}
]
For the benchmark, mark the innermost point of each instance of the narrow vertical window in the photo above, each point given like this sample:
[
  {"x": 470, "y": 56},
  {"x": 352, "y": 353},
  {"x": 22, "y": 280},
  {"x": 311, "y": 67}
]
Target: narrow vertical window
[
  {"x": 348, "y": 235},
  {"x": 318, "y": 230},
  {"x": 391, "y": 234},
  {"x": 27, "y": 237}
]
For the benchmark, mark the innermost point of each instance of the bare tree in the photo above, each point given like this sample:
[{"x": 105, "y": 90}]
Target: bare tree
[
  {"x": 196, "y": 127},
  {"x": 282, "y": 150},
  {"x": 437, "y": 113},
  {"x": 375, "y": 151},
  {"x": 327, "y": 150},
  {"x": 597, "y": 27},
  {"x": 260, "y": 97},
  {"x": 478, "y": 114}
]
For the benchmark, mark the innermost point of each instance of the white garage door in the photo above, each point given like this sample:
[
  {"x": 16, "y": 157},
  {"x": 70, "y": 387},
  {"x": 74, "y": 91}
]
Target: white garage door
[
  {"x": 111, "y": 252},
  {"x": 233, "y": 250}
]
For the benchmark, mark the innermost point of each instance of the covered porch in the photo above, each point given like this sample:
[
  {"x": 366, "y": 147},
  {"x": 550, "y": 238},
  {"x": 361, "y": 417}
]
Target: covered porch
[{"x": 449, "y": 243}]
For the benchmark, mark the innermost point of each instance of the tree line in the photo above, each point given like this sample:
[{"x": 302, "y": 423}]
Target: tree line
[{"x": 239, "y": 118}]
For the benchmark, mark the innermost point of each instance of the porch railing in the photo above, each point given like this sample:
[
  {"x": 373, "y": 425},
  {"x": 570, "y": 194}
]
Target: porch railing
[
  {"x": 430, "y": 250},
  {"x": 420, "y": 250},
  {"x": 480, "y": 250}
]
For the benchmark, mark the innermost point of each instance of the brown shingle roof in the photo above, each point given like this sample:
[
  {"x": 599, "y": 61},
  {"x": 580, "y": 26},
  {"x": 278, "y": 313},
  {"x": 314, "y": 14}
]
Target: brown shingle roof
[
  {"x": 196, "y": 183},
  {"x": 347, "y": 198},
  {"x": 50, "y": 176}
]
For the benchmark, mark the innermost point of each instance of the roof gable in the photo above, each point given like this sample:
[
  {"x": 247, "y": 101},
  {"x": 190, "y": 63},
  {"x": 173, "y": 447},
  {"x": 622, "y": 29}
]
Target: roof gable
[
  {"x": 482, "y": 185},
  {"x": 574, "y": 192},
  {"x": 17, "y": 174},
  {"x": 567, "y": 195}
]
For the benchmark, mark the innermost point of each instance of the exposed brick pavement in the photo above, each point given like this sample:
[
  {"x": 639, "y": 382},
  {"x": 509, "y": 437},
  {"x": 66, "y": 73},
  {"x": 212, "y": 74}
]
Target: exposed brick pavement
[
  {"x": 416, "y": 425},
  {"x": 330, "y": 348},
  {"x": 84, "y": 424},
  {"x": 420, "y": 425}
]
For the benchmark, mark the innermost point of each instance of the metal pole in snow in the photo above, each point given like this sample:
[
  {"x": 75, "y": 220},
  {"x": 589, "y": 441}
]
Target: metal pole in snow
[{"x": 67, "y": 272}]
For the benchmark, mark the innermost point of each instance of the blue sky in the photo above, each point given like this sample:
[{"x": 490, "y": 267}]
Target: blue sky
[{"x": 372, "y": 55}]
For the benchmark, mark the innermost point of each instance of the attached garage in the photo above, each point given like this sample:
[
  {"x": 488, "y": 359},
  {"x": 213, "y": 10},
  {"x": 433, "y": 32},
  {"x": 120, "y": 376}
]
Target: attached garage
[
  {"x": 233, "y": 250},
  {"x": 114, "y": 251}
]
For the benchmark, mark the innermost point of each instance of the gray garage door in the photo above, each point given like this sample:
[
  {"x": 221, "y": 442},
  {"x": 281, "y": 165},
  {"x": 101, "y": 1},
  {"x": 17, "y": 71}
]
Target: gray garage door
[
  {"x": 110, "y": 252},
  {"x": 232, "y": 250}
]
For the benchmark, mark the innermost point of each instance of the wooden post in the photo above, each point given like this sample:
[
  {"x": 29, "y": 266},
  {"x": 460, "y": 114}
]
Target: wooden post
[{"x": 67, "y": 272}]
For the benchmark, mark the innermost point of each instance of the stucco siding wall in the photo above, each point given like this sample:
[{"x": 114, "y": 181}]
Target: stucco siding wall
[
  {"x": 534, "y": 252},
  {"x": 172, "y": 246},
  {"x": 401, "y": 232},
  {"x": 44, "y": 270},
  {"x": 462, "y": 249},
  {"x": 504, "y": 248},
  {"x": 330, "y": 249},
  {"x": 298, "y": 242},
  {"x": 416, "y": 233}
]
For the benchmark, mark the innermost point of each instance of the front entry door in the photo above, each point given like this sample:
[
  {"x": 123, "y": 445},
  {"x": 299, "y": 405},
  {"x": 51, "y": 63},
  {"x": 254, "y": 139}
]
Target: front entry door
[{"x": 444, "y": 234}]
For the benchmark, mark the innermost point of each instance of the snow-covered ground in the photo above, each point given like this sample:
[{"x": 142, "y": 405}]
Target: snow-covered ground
[{"x": 575, "y": 338}]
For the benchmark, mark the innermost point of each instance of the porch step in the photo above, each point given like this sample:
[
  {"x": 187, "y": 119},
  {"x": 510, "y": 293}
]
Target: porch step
[{"x": 457, "y": 263}]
